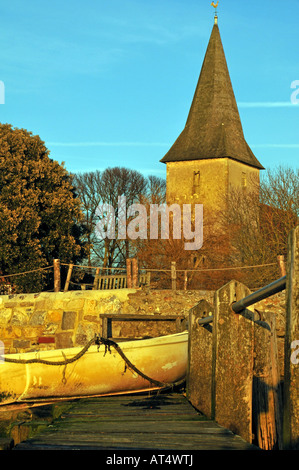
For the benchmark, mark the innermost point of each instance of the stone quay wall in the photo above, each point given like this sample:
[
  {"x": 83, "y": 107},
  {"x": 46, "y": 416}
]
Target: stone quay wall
[
  {"x": 48, "y": 320},
  {"x": 30, "y": 322}
]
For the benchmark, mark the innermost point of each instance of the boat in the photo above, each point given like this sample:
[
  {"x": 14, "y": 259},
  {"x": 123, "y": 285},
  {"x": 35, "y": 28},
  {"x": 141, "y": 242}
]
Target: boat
[{"x": 103, "y": 368}]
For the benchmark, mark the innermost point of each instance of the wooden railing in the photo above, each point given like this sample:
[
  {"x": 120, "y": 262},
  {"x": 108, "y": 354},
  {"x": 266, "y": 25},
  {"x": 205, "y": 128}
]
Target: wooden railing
[
  {"x": 179, "y": 321},
  {"x": 117, "y": 281},
  {"x": 235, "y": 375}
]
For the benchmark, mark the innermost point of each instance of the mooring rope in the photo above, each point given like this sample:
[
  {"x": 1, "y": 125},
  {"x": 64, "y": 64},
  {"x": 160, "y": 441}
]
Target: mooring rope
[{"x": 98, "y": 340}]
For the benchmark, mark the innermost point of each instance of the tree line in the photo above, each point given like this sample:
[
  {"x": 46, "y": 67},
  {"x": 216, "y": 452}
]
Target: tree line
[{"x": 47, "y": 213}]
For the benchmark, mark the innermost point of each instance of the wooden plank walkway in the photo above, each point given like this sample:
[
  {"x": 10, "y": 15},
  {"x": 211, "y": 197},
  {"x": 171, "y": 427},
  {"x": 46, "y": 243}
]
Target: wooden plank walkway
[{"x": 135, "y": 422}]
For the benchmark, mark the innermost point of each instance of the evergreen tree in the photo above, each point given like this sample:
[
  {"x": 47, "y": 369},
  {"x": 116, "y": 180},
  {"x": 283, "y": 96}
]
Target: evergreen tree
[{"x": 40, "y": 214}]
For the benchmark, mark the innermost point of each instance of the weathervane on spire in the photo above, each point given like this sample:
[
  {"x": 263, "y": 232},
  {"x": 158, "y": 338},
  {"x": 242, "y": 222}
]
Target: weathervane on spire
[{"x": 215, "y": 5}]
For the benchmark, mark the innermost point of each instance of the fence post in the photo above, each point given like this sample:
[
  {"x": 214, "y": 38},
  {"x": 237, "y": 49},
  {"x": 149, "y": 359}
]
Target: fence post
[
  {"x": 185, "y": 280},
  {"x": 291, "y": 366},
  {"x": 199, "y": 374},
  {"x": 281, "y": 264},
  {"x": 129, "y": 273},
  {"x": 135, "y": 282},
  {"x": 232, "y": 362},
  {"x": 96, "y": 279},
  {"x": 267, "y": 391},
  {"x": 57, "y": 280},
  {"x": 68, "y": 277},
  {"x": 173, "y": 275}
]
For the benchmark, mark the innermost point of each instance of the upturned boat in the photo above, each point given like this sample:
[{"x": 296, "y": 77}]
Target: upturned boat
[{"x": 101, "y": 368}]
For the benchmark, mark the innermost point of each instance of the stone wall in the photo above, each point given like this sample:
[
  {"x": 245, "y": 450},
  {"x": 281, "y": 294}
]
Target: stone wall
[
  {"x": 65, "y": 319},
  {"x": 44, "y": 320}
]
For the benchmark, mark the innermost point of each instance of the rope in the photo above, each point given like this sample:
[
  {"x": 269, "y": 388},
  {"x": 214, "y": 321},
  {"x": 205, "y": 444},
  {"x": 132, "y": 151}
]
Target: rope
[
  {"x": 93, "y": 267},
  {"x": 49, "y": 363},
  {"x": 97, "y": 340},
  {"x": 26, "y": 272},
  {"x": 149, "y": 270},
  {"x": 212, "y": 269}
]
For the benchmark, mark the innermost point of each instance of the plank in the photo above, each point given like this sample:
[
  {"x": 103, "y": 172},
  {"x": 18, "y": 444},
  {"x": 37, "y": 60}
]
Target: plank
[{"x": 163, "y": 422}]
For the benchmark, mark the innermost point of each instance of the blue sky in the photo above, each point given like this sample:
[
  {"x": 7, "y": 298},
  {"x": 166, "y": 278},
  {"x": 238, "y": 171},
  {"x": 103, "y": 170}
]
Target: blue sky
[{"x": 110, "y": 83}]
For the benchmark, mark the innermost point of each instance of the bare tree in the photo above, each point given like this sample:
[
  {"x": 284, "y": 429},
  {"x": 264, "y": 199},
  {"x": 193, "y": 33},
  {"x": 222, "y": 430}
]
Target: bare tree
[
  {"x": 279, "y": 197},
  {"x": 258, "y": 223},
  {"x": 103, "y": 195},
  {"x": 88, "y": 187}
]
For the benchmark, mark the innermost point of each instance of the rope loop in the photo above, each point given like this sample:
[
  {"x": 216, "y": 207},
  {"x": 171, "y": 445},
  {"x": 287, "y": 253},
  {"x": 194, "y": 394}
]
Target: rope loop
[{"x": 98, "y": 340}]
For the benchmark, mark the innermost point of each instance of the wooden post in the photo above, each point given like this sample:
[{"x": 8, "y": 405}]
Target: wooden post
[
  {"x": 129, "y": 273},
  {"x": 96, "y": 279},
  {"x": 173, "y": 275},
  {"x": 291, "y": 366},
  {"x": 68, "y": 277},
  {"x": 267, "y": 392},
  {"x": 135, "y": 282},
  {"x": 232, "y": 362},
  {"x": 57, "y": 281},
  {"x": 281, "y": 264},
  {"x": 185, "y": 280},
  {"x": 199, "y": 375}
]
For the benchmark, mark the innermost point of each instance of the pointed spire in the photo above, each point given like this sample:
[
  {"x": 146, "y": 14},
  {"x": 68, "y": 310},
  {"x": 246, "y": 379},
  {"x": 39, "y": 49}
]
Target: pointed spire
[{"x": 213, "y": 128}]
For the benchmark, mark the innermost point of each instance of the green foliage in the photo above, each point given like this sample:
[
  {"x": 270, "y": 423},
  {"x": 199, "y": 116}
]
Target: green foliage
[{"x": 40, "y": 214}]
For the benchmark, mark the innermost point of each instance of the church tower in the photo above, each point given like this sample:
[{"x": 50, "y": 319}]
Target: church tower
[{"x": 211, "y": 155}]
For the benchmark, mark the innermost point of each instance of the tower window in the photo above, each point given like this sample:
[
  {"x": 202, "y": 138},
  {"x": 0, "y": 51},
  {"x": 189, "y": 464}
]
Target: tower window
[
  {"x": 244, "y": 180},
  {"x": 196, "y": 181}
]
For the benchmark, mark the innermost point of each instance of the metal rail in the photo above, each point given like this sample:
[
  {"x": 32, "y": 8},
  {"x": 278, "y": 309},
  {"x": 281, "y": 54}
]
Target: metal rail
[
  {"x": 263, "y": 293},
  {"x": 206, "y": 320}
]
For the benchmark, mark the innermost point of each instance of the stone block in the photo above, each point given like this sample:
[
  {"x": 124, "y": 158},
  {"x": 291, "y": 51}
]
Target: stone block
[
  {"x": 21, "y": 344},
  {"x": 27, "y": 304},
  {"x": 75, "y": 303},
  {"x": 92, "y": 318},
  {"x": 64, "y": 340},
  {"x": 19, "y": 318},
  {"x": 31, "y": 332},
  {"x": 11, "y": 304},
  {"x": 38, "y": 318},
  {"x": 5, "y": 316},
  {"x": 85, "y": 332},
  {"x": 90, "y": 306},
  {"x": 50, "y": 329},
  {"x": 68, "y": 320},
  {"x": 54, "y": 316},
  {"x": 15, "y": 332}
]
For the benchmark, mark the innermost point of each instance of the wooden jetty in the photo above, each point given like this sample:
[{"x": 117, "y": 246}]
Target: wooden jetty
[
  {"x": 165, "y": 421},
  {"x": 236, "y": 395}
]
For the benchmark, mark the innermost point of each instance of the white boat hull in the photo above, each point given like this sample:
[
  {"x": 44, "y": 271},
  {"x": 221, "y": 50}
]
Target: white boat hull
[{"x": 163, "y": 359}]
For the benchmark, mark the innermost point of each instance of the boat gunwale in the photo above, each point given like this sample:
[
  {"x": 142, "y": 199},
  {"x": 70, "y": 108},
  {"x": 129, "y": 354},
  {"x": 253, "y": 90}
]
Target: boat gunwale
[{"x": 139, "y": 343}]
